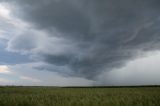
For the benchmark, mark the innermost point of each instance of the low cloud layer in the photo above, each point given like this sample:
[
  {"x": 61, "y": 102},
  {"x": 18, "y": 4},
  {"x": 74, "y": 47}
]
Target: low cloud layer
[
  {"x": 85, "y": 37},
  {"x": 142, "y": 71}
]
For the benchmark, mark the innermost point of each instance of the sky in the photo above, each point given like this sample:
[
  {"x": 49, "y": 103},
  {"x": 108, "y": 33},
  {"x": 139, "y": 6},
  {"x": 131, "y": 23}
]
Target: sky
[{"x": 79, "y": 42}]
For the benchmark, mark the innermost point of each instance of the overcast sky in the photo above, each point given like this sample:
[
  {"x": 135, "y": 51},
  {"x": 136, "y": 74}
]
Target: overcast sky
[{"x": 79, "y": 42}]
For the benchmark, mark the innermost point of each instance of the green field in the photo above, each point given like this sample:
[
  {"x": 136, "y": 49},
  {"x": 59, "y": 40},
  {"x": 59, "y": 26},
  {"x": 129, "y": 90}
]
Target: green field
[{"x": 50, "y": 96}]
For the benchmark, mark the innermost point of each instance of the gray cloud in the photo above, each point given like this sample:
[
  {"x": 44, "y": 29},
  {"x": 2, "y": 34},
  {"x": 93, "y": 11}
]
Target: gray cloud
[
  {"x": 142, "y": 71},
  {"x": 99, "y": 35},
  {"x": 23, "y": 43}
]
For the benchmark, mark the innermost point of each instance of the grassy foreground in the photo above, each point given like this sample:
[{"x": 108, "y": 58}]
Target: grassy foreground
[{"x": 49, "y": 96}]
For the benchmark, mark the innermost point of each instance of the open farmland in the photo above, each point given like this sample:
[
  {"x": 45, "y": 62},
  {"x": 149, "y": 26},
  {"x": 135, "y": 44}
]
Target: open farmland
[{"x": 52, "y": 96}]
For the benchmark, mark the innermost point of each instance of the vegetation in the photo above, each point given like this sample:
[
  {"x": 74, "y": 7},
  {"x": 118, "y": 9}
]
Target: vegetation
[{"x": 52, "y": 96}]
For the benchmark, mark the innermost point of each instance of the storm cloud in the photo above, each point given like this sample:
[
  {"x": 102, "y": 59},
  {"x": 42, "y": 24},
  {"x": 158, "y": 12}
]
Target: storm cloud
[{"x": 86, "y": 36}]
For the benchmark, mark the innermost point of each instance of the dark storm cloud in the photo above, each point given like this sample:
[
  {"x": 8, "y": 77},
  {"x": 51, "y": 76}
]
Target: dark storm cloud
[
  {"x": 106, "y": 33},
  {"x": 57, "y": 60}
]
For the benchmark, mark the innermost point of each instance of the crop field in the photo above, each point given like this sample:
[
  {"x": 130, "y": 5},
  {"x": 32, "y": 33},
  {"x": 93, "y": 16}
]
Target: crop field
[{"x": 52, "y": 96}]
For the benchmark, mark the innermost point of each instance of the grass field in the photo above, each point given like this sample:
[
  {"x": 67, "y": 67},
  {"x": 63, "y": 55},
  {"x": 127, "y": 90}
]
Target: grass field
[{"x": 50, "y": 96}]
